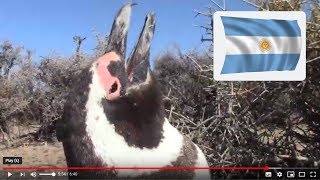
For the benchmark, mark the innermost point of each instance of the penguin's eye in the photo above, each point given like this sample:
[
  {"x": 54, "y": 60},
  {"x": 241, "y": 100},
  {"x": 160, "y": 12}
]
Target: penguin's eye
[{"x": 113, "y": 88}]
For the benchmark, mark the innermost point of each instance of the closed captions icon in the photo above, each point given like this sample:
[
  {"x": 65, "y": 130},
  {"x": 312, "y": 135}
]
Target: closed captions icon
[{"x": 268, "y": 174}]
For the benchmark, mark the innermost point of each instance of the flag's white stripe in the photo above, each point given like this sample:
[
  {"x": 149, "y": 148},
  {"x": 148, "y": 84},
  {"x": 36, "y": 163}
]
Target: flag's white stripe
[{"x": 251, "y": 45}]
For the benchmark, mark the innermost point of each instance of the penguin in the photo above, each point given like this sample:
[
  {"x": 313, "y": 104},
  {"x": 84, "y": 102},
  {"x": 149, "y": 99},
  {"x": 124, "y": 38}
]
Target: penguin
[{"x": 114, "y": 116}]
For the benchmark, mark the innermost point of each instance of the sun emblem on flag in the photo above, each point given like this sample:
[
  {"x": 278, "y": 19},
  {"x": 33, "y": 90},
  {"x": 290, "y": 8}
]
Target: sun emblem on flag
[{"x": 265, "y": 45}]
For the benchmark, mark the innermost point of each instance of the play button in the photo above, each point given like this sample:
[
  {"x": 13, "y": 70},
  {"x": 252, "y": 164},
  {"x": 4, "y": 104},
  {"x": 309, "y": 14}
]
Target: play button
[{"x": 9, "y": 174}]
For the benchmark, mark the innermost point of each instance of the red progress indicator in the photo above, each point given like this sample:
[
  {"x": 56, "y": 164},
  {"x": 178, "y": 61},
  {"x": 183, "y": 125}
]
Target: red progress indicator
[{"x": 265, "y": 168}]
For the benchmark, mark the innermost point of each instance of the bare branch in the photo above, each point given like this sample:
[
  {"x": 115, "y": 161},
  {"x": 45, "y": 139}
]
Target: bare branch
[
  {"x": 314, "y": 59},
  {"x": 255, "y": 5},
  {"x": 224, "y": 4},
  {"x": 201, "y": 13}
]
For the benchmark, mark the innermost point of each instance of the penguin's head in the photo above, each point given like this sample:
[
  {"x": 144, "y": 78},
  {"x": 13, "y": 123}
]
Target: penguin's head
[
  {"x": 126, "y": 87},
  {"x": 116, "y": 79},
  {"x": 123, "y": 95}
]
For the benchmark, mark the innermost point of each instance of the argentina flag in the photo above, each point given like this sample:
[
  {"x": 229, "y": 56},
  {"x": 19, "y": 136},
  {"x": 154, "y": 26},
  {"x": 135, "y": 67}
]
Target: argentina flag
[{"x": 260, "y": 45}]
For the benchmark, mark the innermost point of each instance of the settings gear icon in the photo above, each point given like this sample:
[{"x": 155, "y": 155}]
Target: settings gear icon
[{"x": 279, "y": 174}]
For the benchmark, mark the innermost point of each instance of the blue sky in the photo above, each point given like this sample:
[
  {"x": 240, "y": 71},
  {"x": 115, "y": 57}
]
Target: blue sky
[{"x": 47, "y": 26}]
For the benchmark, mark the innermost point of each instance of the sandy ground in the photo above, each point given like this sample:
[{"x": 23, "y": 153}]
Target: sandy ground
[{"x": 35, "y": 155}]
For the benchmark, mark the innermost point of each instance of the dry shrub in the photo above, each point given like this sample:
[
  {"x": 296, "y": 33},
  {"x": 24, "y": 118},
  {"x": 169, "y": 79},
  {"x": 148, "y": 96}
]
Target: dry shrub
[
  {"x": 34, "y": 94},
  {"x": 248, "y": 123}
]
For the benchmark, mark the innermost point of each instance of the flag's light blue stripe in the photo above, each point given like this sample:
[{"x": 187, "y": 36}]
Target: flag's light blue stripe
[
  {"x": 234, "y": 26},
  {"x": 259, "y": 63}
]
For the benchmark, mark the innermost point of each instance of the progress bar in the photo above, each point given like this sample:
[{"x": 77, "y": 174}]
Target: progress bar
[
  {"x": 292, "y": 168},
  {"x": 264, "y": 168}
]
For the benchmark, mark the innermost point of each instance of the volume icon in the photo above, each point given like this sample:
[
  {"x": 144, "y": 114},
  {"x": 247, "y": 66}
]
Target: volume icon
[{"x": 33, "y": 174}]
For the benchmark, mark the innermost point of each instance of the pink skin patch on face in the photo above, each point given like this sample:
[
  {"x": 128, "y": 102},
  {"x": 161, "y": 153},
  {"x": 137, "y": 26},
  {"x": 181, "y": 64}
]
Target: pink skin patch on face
[{"x": 110, "y": 83}]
